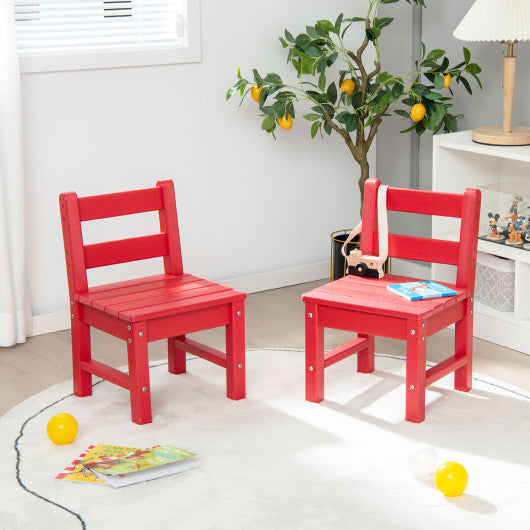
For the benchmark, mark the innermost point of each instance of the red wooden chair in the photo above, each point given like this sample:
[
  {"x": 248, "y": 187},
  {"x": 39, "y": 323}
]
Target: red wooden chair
[
  {"x": 364, "y": 305},
  {"x": 138, "y": 311}
]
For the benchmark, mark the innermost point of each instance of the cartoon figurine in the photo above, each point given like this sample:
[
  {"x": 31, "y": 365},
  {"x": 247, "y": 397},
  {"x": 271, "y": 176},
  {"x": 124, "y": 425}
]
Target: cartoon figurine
[
  {"x": 526, "y": 225},
  {"x": 494, "y": 234},
  {"x": 515, "y": 237},
  {"x": 515, "y": 204}
]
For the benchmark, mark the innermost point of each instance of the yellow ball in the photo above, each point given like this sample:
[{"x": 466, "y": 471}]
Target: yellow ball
[
  {"x": 451, "y": 479},
  {"x": 62, "y": 428}
]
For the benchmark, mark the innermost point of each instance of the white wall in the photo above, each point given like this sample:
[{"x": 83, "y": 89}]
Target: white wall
[{"x": 247, "y": 204}]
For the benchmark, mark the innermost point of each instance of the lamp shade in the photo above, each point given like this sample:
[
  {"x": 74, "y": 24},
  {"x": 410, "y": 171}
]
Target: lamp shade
[{"x": 496, "y": 20}]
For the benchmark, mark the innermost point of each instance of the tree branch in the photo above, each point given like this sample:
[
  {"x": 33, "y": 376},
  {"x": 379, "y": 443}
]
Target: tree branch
[
  {"x": 373, "y": 128},
  {"x": 347, "y": 138}
]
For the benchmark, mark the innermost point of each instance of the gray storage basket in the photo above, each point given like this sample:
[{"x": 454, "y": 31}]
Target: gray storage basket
[{"x": 495, "y": 281}]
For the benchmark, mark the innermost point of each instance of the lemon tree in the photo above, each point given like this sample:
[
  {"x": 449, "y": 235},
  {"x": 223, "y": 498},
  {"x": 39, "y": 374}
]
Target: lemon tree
[{"x": 350, "y": 97}]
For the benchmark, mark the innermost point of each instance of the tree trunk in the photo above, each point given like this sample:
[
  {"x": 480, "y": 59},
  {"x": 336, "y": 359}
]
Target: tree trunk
[{"x": 365, "y": 173}]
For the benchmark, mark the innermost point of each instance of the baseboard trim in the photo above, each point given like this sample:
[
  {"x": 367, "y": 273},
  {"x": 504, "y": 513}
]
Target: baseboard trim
[
  {"x": 279, "y": 278},
  {"x": 60, "y": 320}
]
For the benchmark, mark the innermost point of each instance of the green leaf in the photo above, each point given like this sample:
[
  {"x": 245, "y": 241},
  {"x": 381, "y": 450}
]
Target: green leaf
[
  {"x": 419, "y": 89},
  {"x": 273, "y": 79},
  {"x": 467, "y": 55},
  {"x": 338, "y": 22},
  {"x": 279, "y": 109},
  {"x": 312, "y": 32},
  {"x": 418, "y": 127},
  {"x": 465, "y": 82},
  {"x": 439, "y": 82},
  {"x": 231, "y": 91},
  {"x": 312, "y": 51},
  {"x": 285, "y": 96},
  {"x": 314, "y": 128},
  {"x": 312, "y": 116},
  {"x": 257, "y": 78},
  {"x": 373, "y": 33},
  {"x": 326, "y": 26},
  {"x": 269, "y": 124},
  {"x": 284, "y": 44},
  {"x": 332, "y": 58},
  {"x": 356, "y": 99},
  {"x": 344, "y": 31},
  {"x": 450, "y": 122},
  {"x": 439, "y": 111},
  {"x": 435, "y": 55},
  {"x": 263, "y": 96},
  {"x": 322, "y": 82},
  {"x": 302, "y": 39},
  {"x": 332, "y": 93},
  {"x": 352, "y": 122},
  {"x": 397, "y": 91},
  {"x": 382, "y": 22},
  {"x": 238, "y": 72},
  {"x": 473, "y": 68},
  {"x": 433, "y": 96},
  {"x": 268, "y": 110},
  {"x": 477, "y": 80},
  {"x": 327, "y": 128},
  {"x": 408, "y": 129},
  {"x": 402, "y": 113}
]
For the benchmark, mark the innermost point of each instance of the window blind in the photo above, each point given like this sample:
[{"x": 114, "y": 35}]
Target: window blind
[{"x": 74, "y": 26}]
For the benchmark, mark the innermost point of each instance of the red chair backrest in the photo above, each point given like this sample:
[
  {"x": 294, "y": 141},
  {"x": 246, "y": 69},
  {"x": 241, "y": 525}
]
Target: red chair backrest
[
  {"x": 80, "y": 257},
  {"x": 461, "y": 253}
]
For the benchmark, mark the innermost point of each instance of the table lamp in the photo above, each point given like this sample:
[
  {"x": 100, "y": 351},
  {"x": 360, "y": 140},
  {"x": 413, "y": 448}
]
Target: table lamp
[{"x": 507, "y": 21}]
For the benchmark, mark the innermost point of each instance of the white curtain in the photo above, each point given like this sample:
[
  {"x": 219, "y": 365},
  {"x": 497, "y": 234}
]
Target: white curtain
[{"x": 15, "y": 312}]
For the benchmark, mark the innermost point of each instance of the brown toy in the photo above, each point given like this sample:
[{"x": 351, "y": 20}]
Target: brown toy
[{"x": 360, "y": 265}]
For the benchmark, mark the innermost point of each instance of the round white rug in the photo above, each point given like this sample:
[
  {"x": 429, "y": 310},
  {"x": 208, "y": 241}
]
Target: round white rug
[{"x": 274, "y": 460}]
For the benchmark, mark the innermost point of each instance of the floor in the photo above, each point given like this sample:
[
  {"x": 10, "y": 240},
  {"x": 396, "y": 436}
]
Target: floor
[{"x": 273, "y": 319}]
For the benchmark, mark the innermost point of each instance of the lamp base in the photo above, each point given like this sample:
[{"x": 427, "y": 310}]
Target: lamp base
[{"x": 496, "y": 136}]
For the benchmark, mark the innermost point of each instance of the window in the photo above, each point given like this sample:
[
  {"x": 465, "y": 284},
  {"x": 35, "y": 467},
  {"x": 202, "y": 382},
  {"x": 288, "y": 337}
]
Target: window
[{"x": 76, "y": 34}]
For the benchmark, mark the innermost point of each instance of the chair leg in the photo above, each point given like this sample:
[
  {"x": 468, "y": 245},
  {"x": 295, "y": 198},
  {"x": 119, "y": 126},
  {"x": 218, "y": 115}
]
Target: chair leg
[
  {"x": 365, "y": 357},
  {"x": 139, "y": 374},
  {"x": 314, "y": 355},
  {"x": 81, "y": 351},
  {"x": 235, "y": 353},
  {"x": 464, "y": 348},
  {"x": 416, "y": 373},
  {"x": 176, "y": 358}
]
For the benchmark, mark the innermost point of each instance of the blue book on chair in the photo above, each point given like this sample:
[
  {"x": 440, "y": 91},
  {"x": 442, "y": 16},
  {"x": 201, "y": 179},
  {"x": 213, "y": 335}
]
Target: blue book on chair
[{"x": 420, "y": 290}]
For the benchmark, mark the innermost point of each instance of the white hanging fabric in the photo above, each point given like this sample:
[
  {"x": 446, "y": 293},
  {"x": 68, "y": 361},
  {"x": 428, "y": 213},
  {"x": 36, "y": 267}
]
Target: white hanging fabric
[
  {"x": 15, "y": 312},
  {"x": 382, "y": 221}
]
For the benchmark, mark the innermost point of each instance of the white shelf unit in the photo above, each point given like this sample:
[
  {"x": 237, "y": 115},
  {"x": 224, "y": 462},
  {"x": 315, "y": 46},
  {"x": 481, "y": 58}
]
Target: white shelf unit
[{"x": 460, "y": 163}]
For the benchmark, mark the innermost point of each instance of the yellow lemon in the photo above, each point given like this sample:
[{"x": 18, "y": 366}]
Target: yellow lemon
[
  {"x": 347, "y": 86},
  {"x": 447, "y": 80},
  {"x": 255, "y": 92},
  {"x": 417, "y": 112},
  {"x": 285, "y": 122}
]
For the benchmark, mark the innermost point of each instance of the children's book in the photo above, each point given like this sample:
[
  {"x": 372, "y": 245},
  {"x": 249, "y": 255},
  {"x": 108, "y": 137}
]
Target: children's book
[
  {"x": 142, "y": 465},
  {"x": 420, "y": 290},
  {"x": 75, "y": 472}
]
